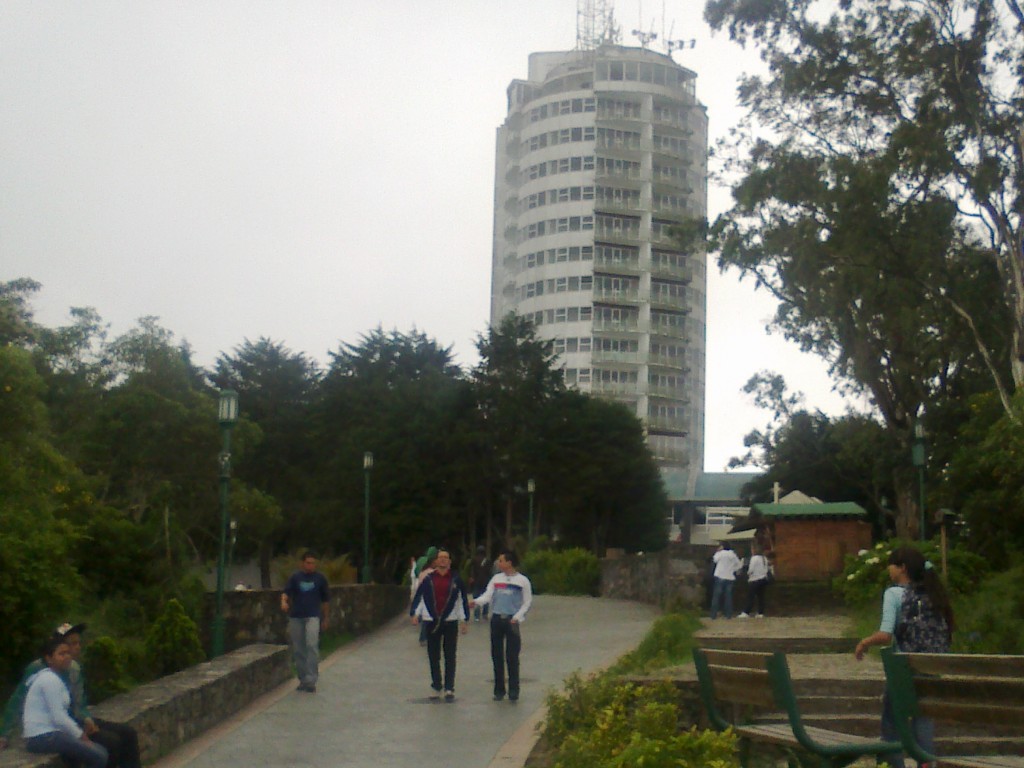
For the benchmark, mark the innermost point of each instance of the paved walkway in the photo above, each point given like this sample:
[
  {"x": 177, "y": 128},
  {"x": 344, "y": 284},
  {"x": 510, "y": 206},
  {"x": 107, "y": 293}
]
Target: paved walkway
[{"x": 372, "y": 709}]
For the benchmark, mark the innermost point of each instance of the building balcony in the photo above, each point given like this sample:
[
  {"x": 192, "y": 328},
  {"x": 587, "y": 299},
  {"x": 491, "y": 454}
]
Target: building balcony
[
  {"x": 677, "y": 456},
  {"x": 614, "y": 235},
  {"x": 663, "y": 361},
  {"x": 627, "y": 175},
  {"x": 607, "y": 356},
  {"x": 669, "y": 331},
  {"x": 679, "y": 274},
  {"x": 666, "y": 425},
  {"x": 676, "y": 394},
  {"x": 617, "y": 266},
  {"x": 662, "y": 301},
  {"x": 616, "y": 326},
  {"x": 617, "y": 389},
  {"x": 604, "y": 205},
  {"x": 617, "y": 296}
]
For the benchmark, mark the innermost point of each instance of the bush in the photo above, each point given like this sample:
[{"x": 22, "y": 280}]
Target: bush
[
  {"x": 992, "y": 619},
  {"x": 172, "y": 642},
  {"x": 865, "y": 576},
  {"x": 669, "y": 643},
  {"x": 610, "y": 724},
  {"x": 569, "y": 572},
  {"x": 105, "y": 664}
]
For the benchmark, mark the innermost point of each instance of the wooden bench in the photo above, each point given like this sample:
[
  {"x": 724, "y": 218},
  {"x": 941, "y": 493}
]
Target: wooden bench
[
  {"x": 760, "y": 706},
  {"x": 983, "y": 690}
]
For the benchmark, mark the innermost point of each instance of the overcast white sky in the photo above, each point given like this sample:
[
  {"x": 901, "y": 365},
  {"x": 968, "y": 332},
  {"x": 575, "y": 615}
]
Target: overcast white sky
[{"x": 308, "y": 170}]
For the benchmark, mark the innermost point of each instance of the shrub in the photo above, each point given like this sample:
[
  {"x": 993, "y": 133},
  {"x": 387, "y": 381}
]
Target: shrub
[
  {"x": 992, "y": 619},
  {"x": 630, "y": 725},
  {"x": 172, "y": 642},
  {"x": 105, "y": 667},
  {"x": 668, "y": 643},
  {"x": 865, "y": 575},
  {"x": 568, "y": 572}
]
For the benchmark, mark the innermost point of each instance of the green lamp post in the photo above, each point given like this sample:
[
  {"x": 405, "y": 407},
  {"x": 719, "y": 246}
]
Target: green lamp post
[
  {"x": 227, "y": 415},
  {"x": 367, "y": 466},
  {"x": 918, "y": 459},
  {"x": 530, "y": 488}
]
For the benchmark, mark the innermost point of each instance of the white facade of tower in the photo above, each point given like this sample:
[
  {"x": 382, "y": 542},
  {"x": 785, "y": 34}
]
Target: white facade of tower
[{"x": 601, "y": 153}]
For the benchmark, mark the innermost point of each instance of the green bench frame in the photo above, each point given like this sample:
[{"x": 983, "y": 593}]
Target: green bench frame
[
  {"x": 757, "y": 685},
  {"x": 970, "y": 689}
]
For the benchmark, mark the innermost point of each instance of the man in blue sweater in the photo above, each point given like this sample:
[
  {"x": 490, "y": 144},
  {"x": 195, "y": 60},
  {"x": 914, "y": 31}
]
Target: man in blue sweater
[
  {"x": 306, "y": 599},
  {"x": 510, "y": 595}
]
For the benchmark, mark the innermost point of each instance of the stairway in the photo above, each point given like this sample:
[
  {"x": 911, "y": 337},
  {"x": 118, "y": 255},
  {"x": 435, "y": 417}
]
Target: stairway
[{"x": 834, "y": 689}]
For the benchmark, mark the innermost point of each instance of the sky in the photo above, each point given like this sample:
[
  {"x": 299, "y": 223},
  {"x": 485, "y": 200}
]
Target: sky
[{"x": 307, "y": 171}]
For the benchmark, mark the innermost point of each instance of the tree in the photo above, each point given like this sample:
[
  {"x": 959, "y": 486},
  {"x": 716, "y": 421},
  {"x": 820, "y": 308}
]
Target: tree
[
  {"x": 929, "y": 91},
  {"x": 394, "y": 395},
  {"x": 16, "y": 325},
  {"x": 850, "y": 458},
  {"x": 37, "y": 576},
  {"x": 515, "y": 378},
  {"x": 275, "y": 389}
]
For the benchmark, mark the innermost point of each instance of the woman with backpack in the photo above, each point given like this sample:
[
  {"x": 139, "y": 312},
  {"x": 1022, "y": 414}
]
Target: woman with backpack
[{"x": 917, "y": 615}]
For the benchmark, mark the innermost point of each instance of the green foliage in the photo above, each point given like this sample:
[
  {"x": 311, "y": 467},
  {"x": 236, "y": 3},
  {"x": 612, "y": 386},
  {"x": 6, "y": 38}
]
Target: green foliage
[
  {"x": 669, "y": 642},
  {"x": 105, "y": 661},
  {"x": 865, "y": 576},
  {"x": 37, "y": 577},
  {"x": 984, "y": 482},
  {"x": 992, "y": 619},
  {"x": 172, "y": 642},
  {"x": 604, "y": 723},
  {"x": 563, "y": 572}
]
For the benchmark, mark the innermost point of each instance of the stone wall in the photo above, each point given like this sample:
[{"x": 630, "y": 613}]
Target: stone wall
[
  {"x": 671, "y": 577},
  {"x": 254, "y": 615},
  {"x": 172, "y": 710}
]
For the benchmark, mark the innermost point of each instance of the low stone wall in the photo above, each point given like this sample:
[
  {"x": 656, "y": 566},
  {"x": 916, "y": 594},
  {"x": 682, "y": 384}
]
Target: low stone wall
[
  {"x": 175, "y": 709},
  {"x": 254, "y": 615},
  {"x": 172, "y": 710},
  {"x": 671, "y": 577}
]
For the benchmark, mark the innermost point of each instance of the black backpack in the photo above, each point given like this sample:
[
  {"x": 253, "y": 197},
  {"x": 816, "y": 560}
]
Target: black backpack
[{"x": 919, "y": 627}]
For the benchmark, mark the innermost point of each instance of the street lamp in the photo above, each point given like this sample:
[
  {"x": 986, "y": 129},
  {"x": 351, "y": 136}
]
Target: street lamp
[
  {"x": 367, "y": 466},
  {"x": 530, "y": 488},
  {"x": 917, "y": 457},
  {"x": 227, "y": 415}
]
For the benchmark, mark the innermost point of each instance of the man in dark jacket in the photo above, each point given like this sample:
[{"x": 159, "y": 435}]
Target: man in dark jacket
[{"x": 441, "y": 603}]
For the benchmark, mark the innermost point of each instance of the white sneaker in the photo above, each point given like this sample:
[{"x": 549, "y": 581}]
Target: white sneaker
[
  {"x": 759, "y": 616},
  {"x": 435, "y": 694},
  {"x": 744, "y": 615}
]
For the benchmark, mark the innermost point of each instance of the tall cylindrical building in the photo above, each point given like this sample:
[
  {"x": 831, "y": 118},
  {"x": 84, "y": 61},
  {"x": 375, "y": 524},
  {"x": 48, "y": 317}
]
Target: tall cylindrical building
[{"x": 602, "y": 153}]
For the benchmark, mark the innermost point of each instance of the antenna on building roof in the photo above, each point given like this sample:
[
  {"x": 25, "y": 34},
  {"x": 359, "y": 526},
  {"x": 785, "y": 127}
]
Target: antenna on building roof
[
  {"x": 667, "y": 41},
  {"x": 646, "y": 38},
  {"x": 678, "y": 45},
  {"x": 595, "y": 24}
]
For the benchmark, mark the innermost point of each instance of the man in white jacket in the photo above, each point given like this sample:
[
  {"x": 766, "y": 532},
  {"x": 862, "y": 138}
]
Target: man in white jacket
[{"x": 510, "y": 595}]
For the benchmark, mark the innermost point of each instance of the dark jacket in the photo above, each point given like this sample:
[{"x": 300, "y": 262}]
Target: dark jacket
[{"x": 456, "y": 595}]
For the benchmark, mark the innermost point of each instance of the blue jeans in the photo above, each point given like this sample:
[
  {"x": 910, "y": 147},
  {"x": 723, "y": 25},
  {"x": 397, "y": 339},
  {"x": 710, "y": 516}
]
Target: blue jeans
[
  {"x": 721, "y": 598},
  {"x": 924, "y": 732},
  {"x": 64, "y": 744},
  {"x": 305, "y": 637}
]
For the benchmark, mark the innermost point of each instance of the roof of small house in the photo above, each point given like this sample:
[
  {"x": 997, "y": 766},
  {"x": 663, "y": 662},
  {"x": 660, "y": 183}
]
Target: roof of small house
[{"x": 820, "y": 509}]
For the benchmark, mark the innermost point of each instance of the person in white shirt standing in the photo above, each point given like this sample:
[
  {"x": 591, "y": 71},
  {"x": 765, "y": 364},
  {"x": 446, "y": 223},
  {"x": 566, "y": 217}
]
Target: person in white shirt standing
[
  {"x": 47, "y": 724},
  {"x": 726, "y": 565},
  {"x": 757, "y": 584},
  {"x": 510, "y": 595}
]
